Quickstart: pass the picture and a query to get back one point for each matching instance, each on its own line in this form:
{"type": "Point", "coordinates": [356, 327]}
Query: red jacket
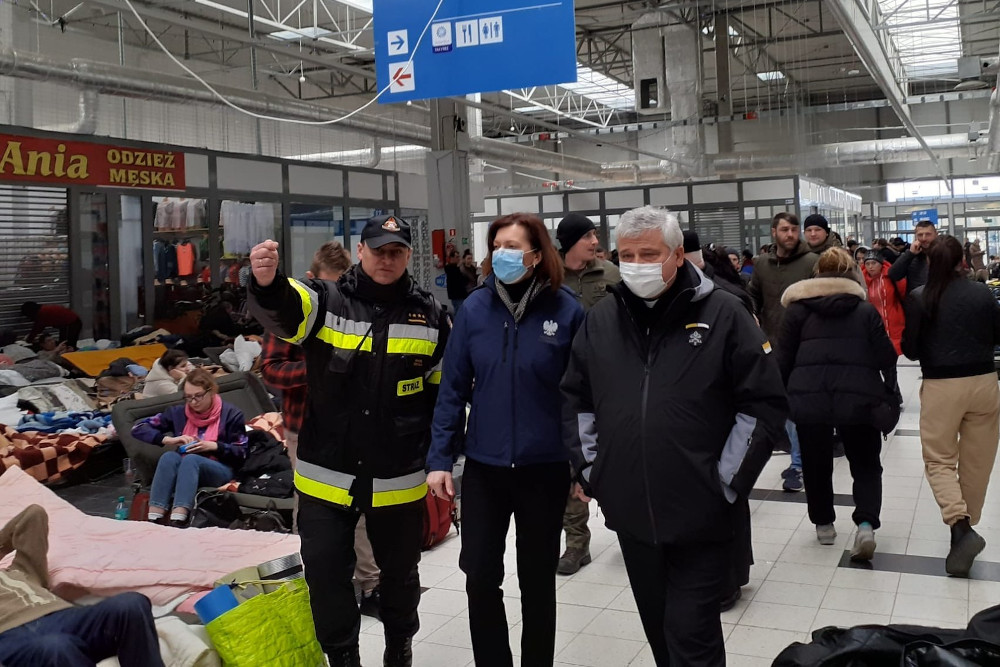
{"type": "Point", "coordinates": [887, 297]}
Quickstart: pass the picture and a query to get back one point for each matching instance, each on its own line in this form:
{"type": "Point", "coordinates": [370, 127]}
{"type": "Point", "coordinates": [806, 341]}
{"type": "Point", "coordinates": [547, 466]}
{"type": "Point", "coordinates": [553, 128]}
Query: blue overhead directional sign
{"type": "Point", "coordinates": [928, 214]}
{"type": "Point", "coordinates": [472, 46]}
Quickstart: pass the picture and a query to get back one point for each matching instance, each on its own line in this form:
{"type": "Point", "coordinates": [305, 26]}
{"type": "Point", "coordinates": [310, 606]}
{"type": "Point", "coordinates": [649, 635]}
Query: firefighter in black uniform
{"type": "Point", "coordinates": [373, 342]}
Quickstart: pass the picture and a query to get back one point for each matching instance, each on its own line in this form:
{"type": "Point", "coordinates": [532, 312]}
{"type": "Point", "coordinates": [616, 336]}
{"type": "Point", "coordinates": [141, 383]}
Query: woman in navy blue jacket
{"type": "Point", "coordinates": [208, 444]}
{"type": "Point", "coordinates": [506, 354]}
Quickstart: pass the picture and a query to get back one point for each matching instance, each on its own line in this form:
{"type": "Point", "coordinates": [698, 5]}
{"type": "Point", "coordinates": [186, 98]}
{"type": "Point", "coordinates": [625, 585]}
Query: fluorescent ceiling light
{"type": "Point", "coordinates": [309, 32]}
{"type": "Point", "coordinates": [527, 109]}
{"type": "Point", "coordinates": [770, 76]}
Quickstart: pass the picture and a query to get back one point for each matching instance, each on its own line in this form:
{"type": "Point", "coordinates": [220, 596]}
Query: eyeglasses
{"type": "Point", "coordinates": [194, 398]}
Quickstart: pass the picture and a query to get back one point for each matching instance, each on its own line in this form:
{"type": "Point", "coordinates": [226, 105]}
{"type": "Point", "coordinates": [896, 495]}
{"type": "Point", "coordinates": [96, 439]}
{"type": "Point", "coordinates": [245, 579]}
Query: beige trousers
{"type": "Point", "coordinates": [959, 429]}
{"type": "Point", "coordinates": [366, 572]}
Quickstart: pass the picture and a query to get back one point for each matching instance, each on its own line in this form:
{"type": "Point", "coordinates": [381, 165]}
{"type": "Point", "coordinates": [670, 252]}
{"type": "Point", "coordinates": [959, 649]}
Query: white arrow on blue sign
{"type": "Point", "coordinates": [399, 43]}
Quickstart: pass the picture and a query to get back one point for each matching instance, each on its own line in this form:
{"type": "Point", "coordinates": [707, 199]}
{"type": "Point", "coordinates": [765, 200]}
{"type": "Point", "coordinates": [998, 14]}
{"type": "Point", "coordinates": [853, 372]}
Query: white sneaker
{"type": "Point", "coordinates": [864, 543]}
{"type": "Point", "coordinates": [826, 533]}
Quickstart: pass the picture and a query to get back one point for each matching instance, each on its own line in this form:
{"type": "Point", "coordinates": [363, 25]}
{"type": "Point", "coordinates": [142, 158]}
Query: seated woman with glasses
{"type": "Point", "coordinates": [208, 444]}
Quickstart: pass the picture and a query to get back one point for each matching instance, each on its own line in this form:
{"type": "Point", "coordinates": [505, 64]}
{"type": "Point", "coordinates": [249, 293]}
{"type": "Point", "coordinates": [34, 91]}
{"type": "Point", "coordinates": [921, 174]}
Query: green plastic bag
{"type": "Point", "coordinates": [270, 630]}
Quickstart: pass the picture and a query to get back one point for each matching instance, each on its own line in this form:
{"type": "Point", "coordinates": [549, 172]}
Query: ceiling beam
{"type": "Point", "coordinates": [876, 50]}
{"type": "Point", "coordinates": [235, 34]}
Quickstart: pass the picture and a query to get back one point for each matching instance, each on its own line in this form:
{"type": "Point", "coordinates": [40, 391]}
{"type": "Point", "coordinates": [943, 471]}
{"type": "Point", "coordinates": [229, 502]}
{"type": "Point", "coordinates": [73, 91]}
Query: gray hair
{"type": "Point", "coordinates": [638, 221]}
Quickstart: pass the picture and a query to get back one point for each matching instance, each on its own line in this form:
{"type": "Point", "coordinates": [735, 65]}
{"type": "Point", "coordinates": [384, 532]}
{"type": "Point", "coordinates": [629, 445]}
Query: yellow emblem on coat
{"type": "Point", "coordinates": [408, 387]}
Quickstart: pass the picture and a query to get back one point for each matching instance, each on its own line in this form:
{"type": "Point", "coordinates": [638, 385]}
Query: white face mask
{"type": "Point", "coordinates": [644, 280]}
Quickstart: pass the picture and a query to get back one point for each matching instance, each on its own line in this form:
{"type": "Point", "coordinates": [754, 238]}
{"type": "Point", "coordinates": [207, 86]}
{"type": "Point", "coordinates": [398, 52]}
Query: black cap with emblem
{"type": "Point", "coordinates": [384, 229]}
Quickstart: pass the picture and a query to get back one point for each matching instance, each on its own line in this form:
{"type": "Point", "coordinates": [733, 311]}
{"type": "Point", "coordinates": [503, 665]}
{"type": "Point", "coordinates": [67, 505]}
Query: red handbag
{"type": "Point", "coordinates": [439, 515]}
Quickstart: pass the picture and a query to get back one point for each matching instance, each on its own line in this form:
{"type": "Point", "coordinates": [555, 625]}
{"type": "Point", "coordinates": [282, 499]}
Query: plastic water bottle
{"type": "Point", "coordinates": [121, 509]}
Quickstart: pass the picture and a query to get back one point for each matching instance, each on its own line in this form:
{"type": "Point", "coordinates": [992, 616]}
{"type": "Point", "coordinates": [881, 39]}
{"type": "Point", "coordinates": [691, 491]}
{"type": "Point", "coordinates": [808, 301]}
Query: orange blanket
{"type": "Point", "coordinates": [95, 361]}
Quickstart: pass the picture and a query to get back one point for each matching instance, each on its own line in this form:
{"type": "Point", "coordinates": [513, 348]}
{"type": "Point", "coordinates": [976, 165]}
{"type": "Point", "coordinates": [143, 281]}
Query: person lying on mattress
{"type": "Point", "coordinates": [208, 444]}
{"type": "Point", "coordinates": [39, 629]}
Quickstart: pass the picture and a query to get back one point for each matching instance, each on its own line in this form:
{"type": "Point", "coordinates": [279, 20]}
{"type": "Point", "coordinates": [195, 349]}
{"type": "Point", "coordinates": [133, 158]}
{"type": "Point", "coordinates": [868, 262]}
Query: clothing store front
{"type": "Point", "coordinates": [130, 234]}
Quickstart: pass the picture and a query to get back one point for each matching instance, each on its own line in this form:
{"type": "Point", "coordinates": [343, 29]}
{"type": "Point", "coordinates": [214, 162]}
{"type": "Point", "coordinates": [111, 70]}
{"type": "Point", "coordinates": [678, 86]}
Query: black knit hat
{"type": "Point", "coordinates": [874, 255]}
{"type": "Point", "coordinates": [691, 241]}
{"type": "Point", "coordinates": [816, 220]}
{"type": "Point", "coordinates": [571, 229]}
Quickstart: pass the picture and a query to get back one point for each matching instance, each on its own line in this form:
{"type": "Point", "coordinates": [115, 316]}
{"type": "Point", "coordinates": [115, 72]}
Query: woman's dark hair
{"type": "Point", "coordinates": [551, 266]}
{"type": "Point", "coordinates": [172, 359]}
{"type": "Point", "coordinates": [718, 258]}
{"type": "Point", "coordinates": [944, 258]}
{"type": "Point", "coordinates": [199, 377]}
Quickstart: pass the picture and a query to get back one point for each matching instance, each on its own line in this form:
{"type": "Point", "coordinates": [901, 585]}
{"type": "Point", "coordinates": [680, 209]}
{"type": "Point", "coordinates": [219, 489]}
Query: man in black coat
{"type": "Point", "coordinates": [912, 264]}
{"type": "Point", "coordinates": [677, 377]}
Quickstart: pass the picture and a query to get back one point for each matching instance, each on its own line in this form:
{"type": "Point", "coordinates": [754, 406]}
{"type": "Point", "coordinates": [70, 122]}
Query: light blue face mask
{"type": "Point", "coordinates": [508, 265]}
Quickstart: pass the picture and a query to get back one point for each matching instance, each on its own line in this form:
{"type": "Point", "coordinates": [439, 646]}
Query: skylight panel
{"type": "Point", "coordinates": [601, 88]}
{"type": "Point", "coordinates": [926, 35]}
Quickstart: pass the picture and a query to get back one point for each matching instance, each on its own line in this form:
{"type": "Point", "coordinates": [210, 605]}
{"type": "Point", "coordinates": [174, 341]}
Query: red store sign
{"type": "Point", "coordinates": [80, 163]}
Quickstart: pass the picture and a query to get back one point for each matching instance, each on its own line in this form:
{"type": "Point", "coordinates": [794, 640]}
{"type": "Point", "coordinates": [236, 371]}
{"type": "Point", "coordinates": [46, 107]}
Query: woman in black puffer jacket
{"type": "Point", "coordinates": [835, 358]}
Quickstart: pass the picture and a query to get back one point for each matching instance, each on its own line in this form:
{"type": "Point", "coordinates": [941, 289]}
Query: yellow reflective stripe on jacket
{"type": "Point", "coordinates": [399, 490]}
{"type": "Point", "coordinates": [412, 339]}
{"type": "Point", "coordinates": [434, 374]}
{"type": "Point", "coordinates": [310, 303]}
{"type": "Point", "coordinates": [319, 482]}
{"type": "Point", "coordinates": [346, 334]}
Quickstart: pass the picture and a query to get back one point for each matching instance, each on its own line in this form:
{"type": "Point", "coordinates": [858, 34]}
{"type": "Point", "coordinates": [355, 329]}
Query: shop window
{"type": "Point", "coordinates": [242, 225]}
{"type": "Point", "coordinates": [312, 225]}
{"type": "Point", "coordinates": [181, 260]}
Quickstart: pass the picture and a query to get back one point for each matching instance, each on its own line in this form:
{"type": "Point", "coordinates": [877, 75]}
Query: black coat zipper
{"type": "Point", "coordinates": [646, 347]}
{"type": "Point", "coordinates": [646, 350]}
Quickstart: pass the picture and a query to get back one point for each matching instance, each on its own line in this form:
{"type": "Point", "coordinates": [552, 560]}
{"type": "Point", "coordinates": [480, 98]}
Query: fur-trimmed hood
{"type": "Point", "coordinates": [823, 287]}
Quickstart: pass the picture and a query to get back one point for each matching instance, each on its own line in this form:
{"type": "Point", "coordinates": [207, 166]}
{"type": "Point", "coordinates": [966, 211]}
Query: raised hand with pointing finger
{"type": "Point", "coordinates": [264, 262]}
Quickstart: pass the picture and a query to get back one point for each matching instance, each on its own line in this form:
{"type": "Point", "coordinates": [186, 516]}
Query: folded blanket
{"type": "Point", "coordinates": [65, 396]}
{"type": "Point", "coordinates": [39, 369]}
{"type": "Point", "coordinates": [12, 378]}
{"type": "Point", "coordinates": [89, 554]}
{"type": "Point", "coordinates": [56, 422]}
{"type": "Point", "coordinates": [46, 457]}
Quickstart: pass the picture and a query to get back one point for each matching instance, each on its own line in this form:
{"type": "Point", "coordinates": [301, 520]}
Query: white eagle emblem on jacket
{"type": "Point", "coordinates": [550, 327]}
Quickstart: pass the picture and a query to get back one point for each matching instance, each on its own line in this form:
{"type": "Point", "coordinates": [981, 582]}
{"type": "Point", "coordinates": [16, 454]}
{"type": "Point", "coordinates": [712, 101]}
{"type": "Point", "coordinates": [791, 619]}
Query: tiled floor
{"type": "Point", "coordinates": [796, 584]}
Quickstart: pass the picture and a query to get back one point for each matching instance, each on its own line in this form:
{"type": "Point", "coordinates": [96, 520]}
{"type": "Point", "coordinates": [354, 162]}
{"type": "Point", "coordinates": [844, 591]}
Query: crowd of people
{"type": "Point", "coordinates": [657, 385]}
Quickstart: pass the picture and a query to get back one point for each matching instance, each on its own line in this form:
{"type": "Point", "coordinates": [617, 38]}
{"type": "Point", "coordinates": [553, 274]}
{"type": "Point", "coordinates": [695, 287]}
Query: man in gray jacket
{"type": "Point", "coordinates": [789, 262]}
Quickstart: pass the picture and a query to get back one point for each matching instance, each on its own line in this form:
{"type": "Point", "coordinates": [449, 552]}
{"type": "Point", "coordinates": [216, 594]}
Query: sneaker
{"type": "Point", "coordinates": [369, 603]}
{"type": "Point", "coordinates": [793, 479]}
{"type": "Point", "coordinates": [826, 533]}
{"type": "Point", "coordinates": [966, 544]}
{"type": "Point", "coordinates": [572, 560]}
{"type": "Point", "coordinates": [864, 543]}
{"type": "Point", "coordinates": [398, 653]}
